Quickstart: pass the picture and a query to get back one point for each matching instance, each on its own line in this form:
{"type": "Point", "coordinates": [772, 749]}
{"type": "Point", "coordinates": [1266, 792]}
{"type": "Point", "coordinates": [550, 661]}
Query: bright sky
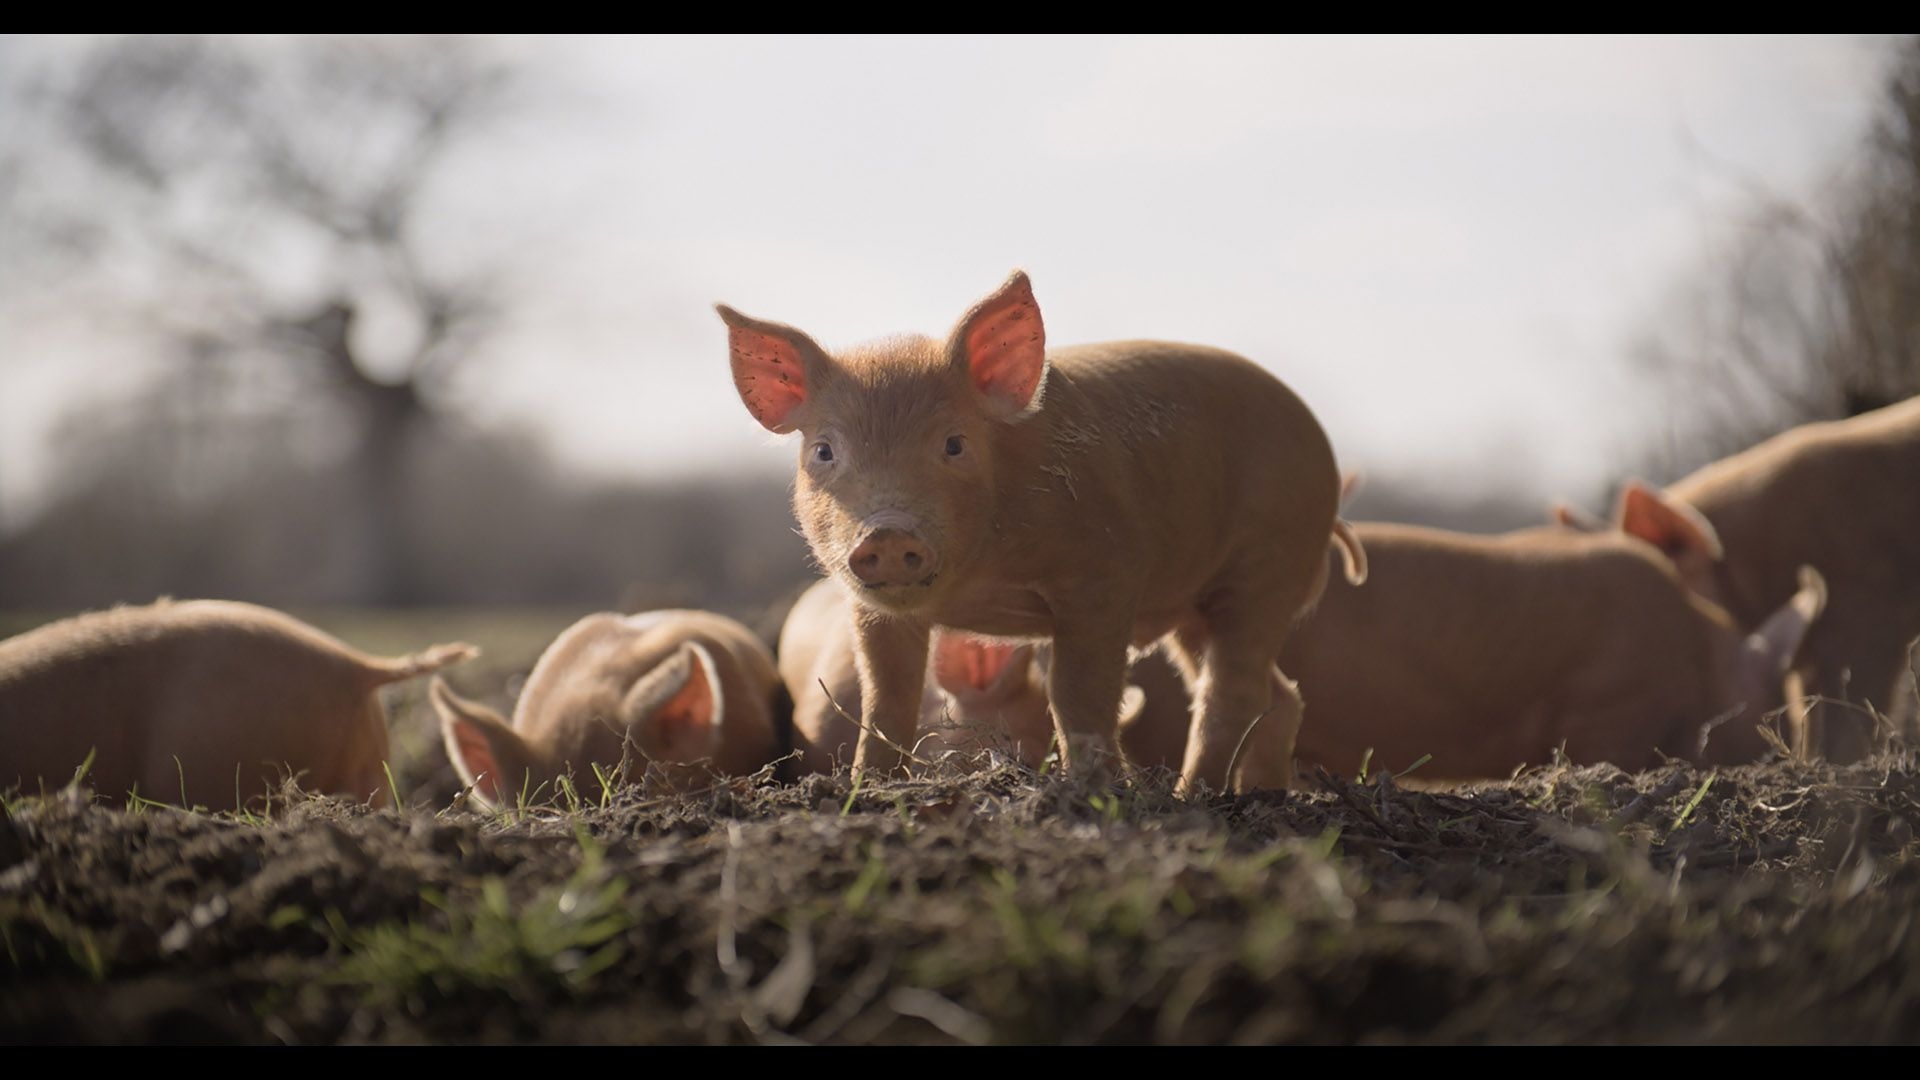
{"type": "Point", "coordinates": [1445, 245]}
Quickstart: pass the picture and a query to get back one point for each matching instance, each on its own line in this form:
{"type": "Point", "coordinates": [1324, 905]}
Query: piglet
{"type": "Point", "coordinates": [1491, 652]}
{"type": "Point", "coordinates": [1101, 497]}
{"type": "Point", "coordinates": [210, 702]}
{"type": "Point", "coordinates": [1840, 495]}
{"type": "Point", "coordinates": [690, 692]}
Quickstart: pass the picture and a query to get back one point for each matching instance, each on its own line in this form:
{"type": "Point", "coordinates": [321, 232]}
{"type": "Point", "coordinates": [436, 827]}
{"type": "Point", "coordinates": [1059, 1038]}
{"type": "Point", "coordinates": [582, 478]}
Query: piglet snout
{"type": "Point", "coordinates": [888, 557]}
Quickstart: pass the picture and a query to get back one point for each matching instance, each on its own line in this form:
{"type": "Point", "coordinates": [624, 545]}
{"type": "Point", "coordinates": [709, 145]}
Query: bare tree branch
{"type": "Point", "coordinates": [1815, 312]}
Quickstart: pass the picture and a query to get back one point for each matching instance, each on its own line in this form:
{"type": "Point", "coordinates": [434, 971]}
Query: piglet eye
{"type": "Point", "coordinates": [822, 453]}
{"type": "Point", "coordinates": [956, 446]}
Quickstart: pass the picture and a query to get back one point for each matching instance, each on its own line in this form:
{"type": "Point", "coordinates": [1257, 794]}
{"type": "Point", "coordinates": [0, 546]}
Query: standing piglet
{"type": "Point", "coordinates": [206, 701]}
{"type": "Point", "coordinates": [1101, 496]}
{"type": "Point", "coordinates": [691, 692]}
{"type": "Point", "coordinates": [1843, 496]}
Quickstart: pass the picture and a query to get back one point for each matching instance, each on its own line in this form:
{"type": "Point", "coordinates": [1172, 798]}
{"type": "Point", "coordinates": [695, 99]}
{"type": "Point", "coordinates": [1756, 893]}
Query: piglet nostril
{"type": "Point", "coordinates": [891, 557]}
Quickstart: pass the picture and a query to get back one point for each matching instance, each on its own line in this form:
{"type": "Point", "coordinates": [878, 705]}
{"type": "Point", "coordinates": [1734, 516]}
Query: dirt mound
{"type": "Point", "coordinates": [1766, 903]}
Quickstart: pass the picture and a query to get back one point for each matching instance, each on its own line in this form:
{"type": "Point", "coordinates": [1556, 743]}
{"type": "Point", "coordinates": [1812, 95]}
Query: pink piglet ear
{"type": "Point", "coordinates": [1778, 639]}
{"type": "Point", "coordinates": [1665, 522]}
{"type": "Point", "coordinates": [488, 754]}
{"type": "Point", "coordinates": [968, 666]}
{"type": "Point", "coordinates": [775, 368]}
{"type": "Point", "coordinates": [676, 711]}
{"type": "Point", "coordinates": [1763, 661]}
{"type": "Point", "coordinates": [1568, 516]}
{"type": "Point", "coordinates": [1002, 343]}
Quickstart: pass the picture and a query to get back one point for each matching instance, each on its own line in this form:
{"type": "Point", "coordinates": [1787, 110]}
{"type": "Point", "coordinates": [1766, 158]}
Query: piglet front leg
{"type": "Point", "coordinates": [891, 655]}
{"type": "Point", "coordinates": [1085, 682]}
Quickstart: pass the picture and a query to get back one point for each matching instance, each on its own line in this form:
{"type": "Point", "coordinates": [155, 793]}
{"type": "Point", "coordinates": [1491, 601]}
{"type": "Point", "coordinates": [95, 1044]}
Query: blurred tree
{"type": "Point", "coordinates": [160, 499]}
{"type": "Point", "coordinates": [1875, 357]}
{"type": "Point", "coordinates": [256, 207]}
{"type": "Point", "coordinates": [1814, 312]}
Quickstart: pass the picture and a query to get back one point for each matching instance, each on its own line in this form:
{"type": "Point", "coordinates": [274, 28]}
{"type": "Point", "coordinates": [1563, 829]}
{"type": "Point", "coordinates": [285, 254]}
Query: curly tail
{"type": "Point", "coordinates": [1356, 555]}
{"type": "Point", "coordinates": [425, 661]}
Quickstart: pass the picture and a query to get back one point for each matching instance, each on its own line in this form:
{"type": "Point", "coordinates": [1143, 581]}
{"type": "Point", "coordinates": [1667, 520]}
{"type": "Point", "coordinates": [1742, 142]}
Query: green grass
{"type": "Point", "coordinates": [872, 876]}
{"type": "Point", "coordinates": [1692, 804]}
{"type": "Point", "coordinates": [562, 938]}
{"type": "Point", "coordinates": [36, 934]}
{"type": "Point", "coordinates": [998, 909]}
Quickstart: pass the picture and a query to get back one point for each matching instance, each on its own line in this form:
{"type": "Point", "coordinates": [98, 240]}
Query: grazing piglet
{"type": "Point", "coordinates": [689, 691]}
{"type": "Point", "coordinates": [1487, 652]}
{"type": "Point", "coordinates": [1100, 496]}
{"type": "Point", "coordinates": [995, 697]}
{"type": "Point", "coordinates": [206, 701]}
{"type": "Point", "coordinates": [1843, 496]}
{"type": "Point", "coordinates": [981, 694]}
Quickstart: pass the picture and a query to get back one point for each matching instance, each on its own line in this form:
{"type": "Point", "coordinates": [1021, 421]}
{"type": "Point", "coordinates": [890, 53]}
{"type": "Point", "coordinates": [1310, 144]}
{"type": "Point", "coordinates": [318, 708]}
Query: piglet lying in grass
{"type": "Point", "coordinates": [689, 692]}
{"type": "Point", "coordinates": [208, 702]}
{"type": "Point", "coordinates": [1100, 497]}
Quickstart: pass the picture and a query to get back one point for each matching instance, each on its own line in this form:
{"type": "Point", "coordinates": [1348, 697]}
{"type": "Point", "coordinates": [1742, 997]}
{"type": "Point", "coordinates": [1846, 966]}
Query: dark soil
{"type": "Point", "coordinates": [1767, 903]}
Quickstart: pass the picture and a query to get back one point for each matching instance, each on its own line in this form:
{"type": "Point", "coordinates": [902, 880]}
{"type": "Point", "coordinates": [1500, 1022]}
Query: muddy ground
{"type": "Point", "coordinates": [1770, 903]}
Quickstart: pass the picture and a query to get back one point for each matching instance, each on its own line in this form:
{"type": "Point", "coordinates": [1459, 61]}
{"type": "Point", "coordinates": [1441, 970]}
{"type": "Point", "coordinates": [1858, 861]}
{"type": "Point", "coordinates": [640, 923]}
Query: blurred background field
{"type": "Point", "coordinates": [412, 335]}
{"type": "Point", "coordinates": [408, 322]}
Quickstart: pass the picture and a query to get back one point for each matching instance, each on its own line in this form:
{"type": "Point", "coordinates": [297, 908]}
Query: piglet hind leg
{"type": "Point", "coordinates": [1246, 715]}
{"type": "Point", "coordinates": [1264, 756]}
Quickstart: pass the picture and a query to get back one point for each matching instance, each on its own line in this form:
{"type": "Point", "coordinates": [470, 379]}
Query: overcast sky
{"type": "Point", "coordinates": [1447, 246]}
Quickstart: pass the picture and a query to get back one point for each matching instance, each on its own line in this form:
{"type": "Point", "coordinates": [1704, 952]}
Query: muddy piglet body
{"type": "Point", "coordinates": [1102, 497]}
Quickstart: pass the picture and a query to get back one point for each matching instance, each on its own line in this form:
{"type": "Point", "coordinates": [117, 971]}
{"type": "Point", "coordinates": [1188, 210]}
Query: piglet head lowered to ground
{"type": "Point", "coordinates": [682, 694]}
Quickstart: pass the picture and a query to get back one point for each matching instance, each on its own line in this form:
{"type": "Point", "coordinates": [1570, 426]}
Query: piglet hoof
{"type": "Point", "coordinates": [1192, 787]}
{"type": "Point", "coordinates": [1258, 775]}
{"type": "Point", "coordinates": [1093, 758]}
{"type": "Point", "coordinates": [1246, 779]}
{"type": "Point", "coordinates": [875, 760]}
{"type": "Point", "coordinates": [1244, 784]}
